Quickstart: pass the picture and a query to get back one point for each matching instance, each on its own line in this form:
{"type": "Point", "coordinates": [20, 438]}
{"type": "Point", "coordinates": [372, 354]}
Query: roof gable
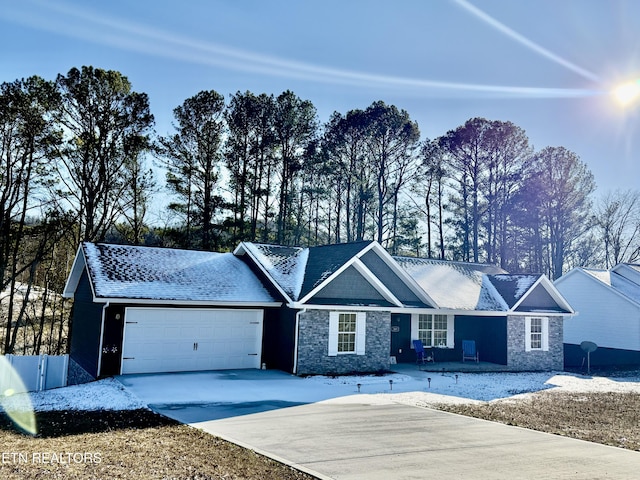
{"type": "Point", "coordinates": [349, 287]}
{"type": "Point", "coordinates": [512, 287]}
{"type": "Point", "coordinates": [530, 293]}
{"type": "Point", "coordinates": [538, 299]}
{"type": "Point", "coordinates": [326, 260]}
{"type": "Point", "coordinates": [301, 273]}
{"type": "Point", "coordinates": [121, 272]}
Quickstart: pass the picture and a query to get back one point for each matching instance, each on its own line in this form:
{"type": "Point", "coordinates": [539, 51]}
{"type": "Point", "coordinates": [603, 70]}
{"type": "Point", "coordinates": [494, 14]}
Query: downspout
{"type": "Point", "coordinates": [295, 345]}
{"type": "Point", "coordinates": [104, 315]}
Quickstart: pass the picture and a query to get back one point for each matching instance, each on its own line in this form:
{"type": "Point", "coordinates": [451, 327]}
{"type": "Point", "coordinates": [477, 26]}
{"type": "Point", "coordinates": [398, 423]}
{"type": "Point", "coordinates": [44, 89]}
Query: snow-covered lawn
{"type": "Point", "coordinates": [412, 388]}
{"type": "Point", "coordinates": [107, 394]}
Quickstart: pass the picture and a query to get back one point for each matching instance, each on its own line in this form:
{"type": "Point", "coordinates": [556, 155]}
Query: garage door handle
{"type": "Point", "coordinates": [128, 358]}
{"type": "Point", "coordinates": [252, 354]}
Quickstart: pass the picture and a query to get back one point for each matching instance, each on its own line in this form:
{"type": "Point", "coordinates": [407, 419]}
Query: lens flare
{"type": "Point", "coordinates": [14, 399]}
{"type": "Point", "coordinates": [627, 93]}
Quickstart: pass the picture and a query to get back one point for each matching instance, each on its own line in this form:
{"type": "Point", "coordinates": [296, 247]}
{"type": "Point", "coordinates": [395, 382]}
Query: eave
{"type": "Point", "coordinates": [190, 303]}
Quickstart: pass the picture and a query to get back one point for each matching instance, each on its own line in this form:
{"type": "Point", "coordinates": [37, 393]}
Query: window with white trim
{"type": "Point", "coordinates": [536, 334]}
{"type": "Point", "coordinates": [434, 330]}
{"type": "Point", "coordinates": [347, 333]}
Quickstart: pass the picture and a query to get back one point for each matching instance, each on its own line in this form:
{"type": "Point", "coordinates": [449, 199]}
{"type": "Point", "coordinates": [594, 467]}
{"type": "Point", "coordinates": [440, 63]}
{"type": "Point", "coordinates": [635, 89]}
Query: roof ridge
{"type": "Point", "coordinates": [455, 262]}
{"type": "Point", "coordinates": [367, 242]}
{"type": "Point", "coordinates": [152, 247]}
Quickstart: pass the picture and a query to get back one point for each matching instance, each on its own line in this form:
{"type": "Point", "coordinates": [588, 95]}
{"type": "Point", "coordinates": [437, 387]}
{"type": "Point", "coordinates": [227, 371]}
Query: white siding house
{"type": "Point", "coordinates": [607, 305]}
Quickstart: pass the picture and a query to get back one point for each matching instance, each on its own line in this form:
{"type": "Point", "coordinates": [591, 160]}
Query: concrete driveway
{"type": "Point", "coordinates": [372, 437]}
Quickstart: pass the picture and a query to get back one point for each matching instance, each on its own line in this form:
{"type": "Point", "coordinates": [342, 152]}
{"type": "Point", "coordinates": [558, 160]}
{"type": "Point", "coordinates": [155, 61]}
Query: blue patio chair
{"type": "Point", "coordinates": [422, 356]}
{"type": "Point", "coordinates": [469, 351]}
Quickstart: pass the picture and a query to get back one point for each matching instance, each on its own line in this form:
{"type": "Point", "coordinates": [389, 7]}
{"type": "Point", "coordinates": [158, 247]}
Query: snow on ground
{"type": "Point", "coordinates": [409, 386]}
{"type": "Point", "coordinates": [107, 394]}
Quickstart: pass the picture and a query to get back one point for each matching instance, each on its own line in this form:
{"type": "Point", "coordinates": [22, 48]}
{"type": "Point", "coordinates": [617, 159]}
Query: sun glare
{"type": "Point", "coordinates": [627, 93]}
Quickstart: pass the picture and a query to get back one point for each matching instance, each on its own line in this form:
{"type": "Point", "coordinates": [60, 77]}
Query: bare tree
{"type": "Point", "coordinates": [618, 221]}
{"type": "Point", "coordinates": [27, 137]}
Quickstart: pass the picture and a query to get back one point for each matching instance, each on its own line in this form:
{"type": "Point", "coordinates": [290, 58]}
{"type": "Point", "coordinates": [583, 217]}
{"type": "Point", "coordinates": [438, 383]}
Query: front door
{"type": "Point", "coordinates": [112, 341]}
{"type": "Point", "coordinates": [401, 338]}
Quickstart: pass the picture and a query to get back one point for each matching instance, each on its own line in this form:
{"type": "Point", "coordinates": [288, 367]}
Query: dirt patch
{"type": "Point", "coordinates": [127, 445]}
{"type": "Point", "coordinates": [607, 418]}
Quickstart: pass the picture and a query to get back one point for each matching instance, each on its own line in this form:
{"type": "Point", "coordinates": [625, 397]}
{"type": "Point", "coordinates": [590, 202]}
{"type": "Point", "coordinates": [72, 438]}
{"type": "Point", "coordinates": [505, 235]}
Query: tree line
{"type": "Point", "coordinates": [77, 154]}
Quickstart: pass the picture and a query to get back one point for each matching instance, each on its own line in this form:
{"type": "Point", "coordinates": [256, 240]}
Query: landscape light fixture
{"type": "Point", "coordinates": [429, 380]}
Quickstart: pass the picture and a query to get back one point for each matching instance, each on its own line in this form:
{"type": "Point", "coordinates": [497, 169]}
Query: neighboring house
{"type": "Point", "coordinates": [321, 310]}
{"type": "Point", "coordinates": [607, 303]}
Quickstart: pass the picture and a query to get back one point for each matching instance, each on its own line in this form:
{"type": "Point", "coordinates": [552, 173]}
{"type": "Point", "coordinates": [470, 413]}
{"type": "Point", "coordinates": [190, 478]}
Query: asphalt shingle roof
{"type": "Point", "coordinates": [299, 270]}
{"type": "Point", "coordinates": [456, 285]}
{"type": "Point", "coordinates": [511, 287]}
{"type": "Point", "coordinates": [122, 271]}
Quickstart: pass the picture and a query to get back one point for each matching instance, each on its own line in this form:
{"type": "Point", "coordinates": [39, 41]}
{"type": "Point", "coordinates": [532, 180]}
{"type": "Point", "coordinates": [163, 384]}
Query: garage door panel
{"type": "Point", "coordinates": [165, 340]}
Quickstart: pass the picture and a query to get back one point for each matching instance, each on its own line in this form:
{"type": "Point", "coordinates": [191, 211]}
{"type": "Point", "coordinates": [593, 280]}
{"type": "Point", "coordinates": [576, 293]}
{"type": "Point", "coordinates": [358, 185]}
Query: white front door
{"type": "Point", "coordinates": [183, 339]}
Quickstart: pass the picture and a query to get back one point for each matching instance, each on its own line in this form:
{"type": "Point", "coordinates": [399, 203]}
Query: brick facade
{"type": "Point", "coordinates": [517, 356]}
{"type": "Point", "coordinates": [313, 345]}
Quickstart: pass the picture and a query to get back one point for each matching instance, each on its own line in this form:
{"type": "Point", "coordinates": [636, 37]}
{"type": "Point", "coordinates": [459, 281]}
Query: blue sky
{"type": "Point", "coordinates": [546, 65]}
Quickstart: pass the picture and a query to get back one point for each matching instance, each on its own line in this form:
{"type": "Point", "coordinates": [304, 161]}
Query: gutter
{"type": "Point", "coordinates": [295, 344]}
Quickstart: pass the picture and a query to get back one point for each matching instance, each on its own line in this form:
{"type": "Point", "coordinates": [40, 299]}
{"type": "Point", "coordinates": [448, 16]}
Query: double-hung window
{"type": "Point", "coordinates": [347, 333]}
{"type": "Point", "coordinates": [433, 330]}
{"type": "Point", "coordinates": [536, 334]}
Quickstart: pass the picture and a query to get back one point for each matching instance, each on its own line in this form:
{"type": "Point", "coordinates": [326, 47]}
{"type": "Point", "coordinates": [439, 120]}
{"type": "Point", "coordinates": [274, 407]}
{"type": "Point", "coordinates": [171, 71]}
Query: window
{"type": "Point", "coordinates": [347, 333]}
{"type": "Point", "coordinates": [434, 330]}
{"type": "Point", "coordinates": [536, 334]}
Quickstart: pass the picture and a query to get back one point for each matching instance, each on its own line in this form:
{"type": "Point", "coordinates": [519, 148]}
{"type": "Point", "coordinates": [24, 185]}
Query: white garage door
{"type": "Point", "coordinates": [181, 339]}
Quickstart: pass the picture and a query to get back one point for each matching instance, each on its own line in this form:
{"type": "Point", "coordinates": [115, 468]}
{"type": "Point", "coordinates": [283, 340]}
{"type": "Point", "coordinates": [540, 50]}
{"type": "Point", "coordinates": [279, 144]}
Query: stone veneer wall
{"type": "Point", "coordinates": [77, 375]}
{"type": "Point", "coordinates": [313, 345]}
{"type": "Point", "coordinates": [519, 359]}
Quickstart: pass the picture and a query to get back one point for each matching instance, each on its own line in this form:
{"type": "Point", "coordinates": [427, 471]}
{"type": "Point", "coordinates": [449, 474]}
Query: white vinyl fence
{"type": "Point", "coordinates": [37, 372]}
